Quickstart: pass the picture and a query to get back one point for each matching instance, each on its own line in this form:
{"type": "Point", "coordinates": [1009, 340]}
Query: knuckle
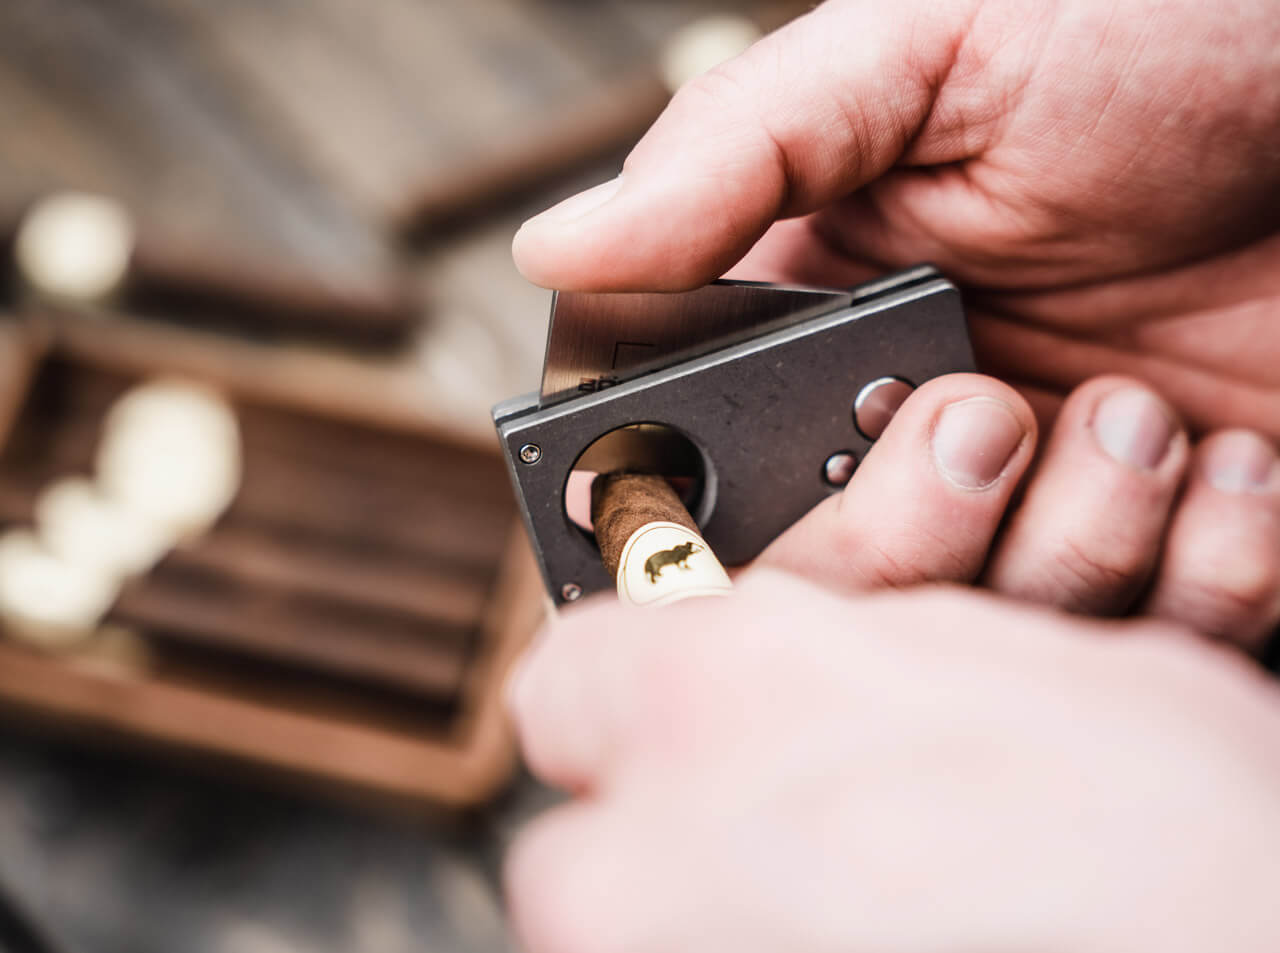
{"type": "Point", "coordinates": [1251, 583]}
{"type": "Point", "coordinates": [914, 556]}
{"type": "Point", "coordinates": [877, 566]}
{"type": "Point", "coordinates": [683, 696]}
{"type": "Point", "coordinates": [1234, 590]}
{"type": "Point", "coordinates": [1094, 576]}
{"type": "Point", "coordinates": [656, 691]}
{"type": "Point", "coordinates": [718, 88]}
{"type": "Point", "coordinates": [668, 687]}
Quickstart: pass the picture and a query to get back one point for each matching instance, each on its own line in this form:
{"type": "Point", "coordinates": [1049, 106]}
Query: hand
{"type": "Point", "coordinates": [788, 769]}
{"type": "Point", "coordinates": [1120, 513]}
{"type": "Point", "coordinates": [1104, 178]}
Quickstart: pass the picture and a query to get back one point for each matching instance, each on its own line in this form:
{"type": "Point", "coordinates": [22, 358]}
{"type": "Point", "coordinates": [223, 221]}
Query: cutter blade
{"type": "Point", "coordinates": [598, 340]}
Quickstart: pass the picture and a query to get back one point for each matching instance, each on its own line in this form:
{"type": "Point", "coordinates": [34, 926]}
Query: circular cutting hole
{"type": "Point", "coordinates": [639, 448]}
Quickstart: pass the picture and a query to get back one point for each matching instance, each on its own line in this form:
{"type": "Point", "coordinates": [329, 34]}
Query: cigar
{"type": "Point", "coordinates": [650, 544]}
{"type": "Point", "coordinates": [81, 250]}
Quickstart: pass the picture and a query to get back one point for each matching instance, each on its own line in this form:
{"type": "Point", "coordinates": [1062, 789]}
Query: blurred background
{"type": "Point", "coordinates": [260, 570]}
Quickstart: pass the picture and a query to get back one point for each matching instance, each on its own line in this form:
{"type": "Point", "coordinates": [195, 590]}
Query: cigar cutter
{"type": "Point", "coordinates": [756, 400]}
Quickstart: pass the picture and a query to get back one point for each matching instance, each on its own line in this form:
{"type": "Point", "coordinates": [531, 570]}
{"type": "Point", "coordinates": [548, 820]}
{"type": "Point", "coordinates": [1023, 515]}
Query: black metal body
{"type": "Point", "coordinates": [764, 413]}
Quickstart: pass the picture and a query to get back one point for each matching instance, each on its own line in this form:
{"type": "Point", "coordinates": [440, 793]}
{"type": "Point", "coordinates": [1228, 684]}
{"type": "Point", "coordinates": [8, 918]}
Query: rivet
{"type": "Point", "coordinates": [838, 470]}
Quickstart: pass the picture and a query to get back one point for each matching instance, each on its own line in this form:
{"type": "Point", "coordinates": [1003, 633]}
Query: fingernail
{"type": "Point", "coordinates": [578, 206]}
{"type": "Point", "coordinates": [1240, 462]}
{"type": "Point", "coordinates": [1135, 427]}
{"type": "Point", "coordinates": [974, 441]}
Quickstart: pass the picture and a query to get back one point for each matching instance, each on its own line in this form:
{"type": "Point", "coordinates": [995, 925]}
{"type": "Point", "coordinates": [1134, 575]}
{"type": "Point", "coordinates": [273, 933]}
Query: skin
{"type": "Point", "coordinates": [1064, 524]}
{"type": "Point", "coordinates": [1105, 183]}
{"type": "Point", "coordinates": [1104, 179]}
{"type": "Point", "coordinates": [936, 772]}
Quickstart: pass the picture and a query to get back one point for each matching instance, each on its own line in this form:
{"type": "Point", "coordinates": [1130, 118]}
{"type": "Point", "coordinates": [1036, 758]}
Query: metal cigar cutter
{"type": "Point", "coordinates": [756, 400]}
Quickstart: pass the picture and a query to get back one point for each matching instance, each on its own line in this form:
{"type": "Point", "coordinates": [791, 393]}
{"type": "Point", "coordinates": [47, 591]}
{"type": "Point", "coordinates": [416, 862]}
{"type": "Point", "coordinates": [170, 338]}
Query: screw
{"type": "Point", "coordinates": [877, 403]}
{"type": "Point", "coordinates": [531, 453]}
{"type": "Point", "coordinates": [838, 470]}
{"type": "Point", "coordinates": [571, 592]}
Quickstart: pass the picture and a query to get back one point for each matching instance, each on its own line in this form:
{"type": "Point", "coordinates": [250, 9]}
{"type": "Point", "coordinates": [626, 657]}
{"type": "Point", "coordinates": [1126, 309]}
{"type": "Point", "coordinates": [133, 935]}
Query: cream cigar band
{"type": "Point", "coordinates": [666, 562]}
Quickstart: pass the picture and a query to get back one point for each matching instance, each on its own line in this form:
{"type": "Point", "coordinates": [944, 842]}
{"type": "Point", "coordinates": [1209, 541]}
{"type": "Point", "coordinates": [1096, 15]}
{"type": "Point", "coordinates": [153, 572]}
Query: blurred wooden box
{"type": "Point", "coordinates": [348, 621]}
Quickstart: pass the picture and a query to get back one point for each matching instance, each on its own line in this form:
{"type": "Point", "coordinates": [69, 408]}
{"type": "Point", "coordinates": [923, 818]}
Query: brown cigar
{"type": "Point", "coordinates": [649, 543]}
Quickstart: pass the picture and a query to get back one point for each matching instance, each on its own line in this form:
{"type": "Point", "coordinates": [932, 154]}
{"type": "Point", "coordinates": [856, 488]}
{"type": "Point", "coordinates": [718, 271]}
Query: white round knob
{"type": "Point", "coordinates": [80, 525]}
{"type": "Point", "coordinates": [47, 600]}
{"type": "Point", "coordinates": [170, 453]}
{"type": "Point", "coordinates": [704, 44]}
{"type": "Point", "coordinates": [75, 246]}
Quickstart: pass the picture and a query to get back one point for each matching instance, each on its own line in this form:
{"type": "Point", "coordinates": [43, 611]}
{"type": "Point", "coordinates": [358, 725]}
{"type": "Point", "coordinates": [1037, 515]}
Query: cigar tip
{"type": "Point", "coordinates": [623, 502]}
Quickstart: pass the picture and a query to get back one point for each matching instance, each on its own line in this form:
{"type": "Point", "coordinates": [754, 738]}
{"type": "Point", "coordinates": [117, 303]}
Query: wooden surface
{"type": "Point", "coordinates": [107, 97]}
{"type": "Point", "coordinates": [274, 151]}
{"type": "Point", "coordinates": [119, 853]}
{"type": "Point", "coordinates": [342, 621]}
{"type": "Point", "coordinates": [301, 165]}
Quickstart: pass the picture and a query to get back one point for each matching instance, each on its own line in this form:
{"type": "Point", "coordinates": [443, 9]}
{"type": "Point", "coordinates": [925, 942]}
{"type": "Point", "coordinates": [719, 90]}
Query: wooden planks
{"type": "Point", "coordinates": [101, 103]}
{"type": "Point", "coordinates": [273, 151]}
{"type": "Point", "coordinates": [358, 553]}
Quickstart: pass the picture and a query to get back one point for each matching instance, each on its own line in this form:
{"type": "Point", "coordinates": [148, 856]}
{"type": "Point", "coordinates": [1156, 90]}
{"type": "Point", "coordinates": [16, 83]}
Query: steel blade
{"type": "Point", "coordinates": [597, 340]}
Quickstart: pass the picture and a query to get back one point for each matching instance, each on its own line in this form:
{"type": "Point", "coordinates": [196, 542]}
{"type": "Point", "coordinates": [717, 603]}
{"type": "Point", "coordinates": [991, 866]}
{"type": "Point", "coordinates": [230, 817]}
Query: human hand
{"type": "Point", "coordinates": [1104, 179]}
{"type": "Point", "coordinates": [788, 769]}
{"type": "Point", "coordinates": [1120, 512]}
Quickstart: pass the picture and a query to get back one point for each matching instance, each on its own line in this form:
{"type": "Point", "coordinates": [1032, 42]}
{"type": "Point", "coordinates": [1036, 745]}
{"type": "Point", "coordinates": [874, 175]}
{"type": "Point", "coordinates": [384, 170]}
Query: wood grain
{"type": "Point", "coordinates": [273, 152]}
{"type": "Point", "coordinates": [363, 552]}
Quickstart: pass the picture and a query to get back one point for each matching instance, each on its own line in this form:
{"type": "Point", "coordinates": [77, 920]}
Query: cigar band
{"type": "Point", "coordinates": [666, 562]}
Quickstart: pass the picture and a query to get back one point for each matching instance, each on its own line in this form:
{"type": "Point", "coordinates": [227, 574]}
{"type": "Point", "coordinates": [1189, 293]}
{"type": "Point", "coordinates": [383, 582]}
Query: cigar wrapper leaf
{"type": "Point", "coordinates": [650, 544]}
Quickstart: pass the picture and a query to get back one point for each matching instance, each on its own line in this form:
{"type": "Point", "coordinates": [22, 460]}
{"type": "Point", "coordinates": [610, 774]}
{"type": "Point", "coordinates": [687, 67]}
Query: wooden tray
{"type": "Point", "coordinates": [350, 618]}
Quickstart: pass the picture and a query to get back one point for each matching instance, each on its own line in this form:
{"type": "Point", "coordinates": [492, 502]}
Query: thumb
{"type": "Point", "coordinates": [810, 113]}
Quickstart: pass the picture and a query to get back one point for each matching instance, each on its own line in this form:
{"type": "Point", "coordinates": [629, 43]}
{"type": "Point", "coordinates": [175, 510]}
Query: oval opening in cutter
{"type": "Point", "coordinates": [637, 448]}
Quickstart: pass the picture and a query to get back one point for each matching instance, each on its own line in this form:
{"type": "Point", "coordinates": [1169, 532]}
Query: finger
{"type": "Point", "coordinates": [559, 899]}
{"type": "Point", "coordinates": [1220, 571]}
{"type": "Point", "coordinates": [791, 252]}
{"type": "Point", "coordinates": [603, 680]}
{"type": "Point", "coordinates": [562, 722]}
{"type": "Point", "coordinates": [1088, 532]}
{"type": "Point", "coordinates": [926, 502]}
{"type": "Point", "coordinates": [608, 688]}
{"type": "Point", "coordinates": [587, 878]}
{"type": "Point", "coordinates": [808, 114]}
